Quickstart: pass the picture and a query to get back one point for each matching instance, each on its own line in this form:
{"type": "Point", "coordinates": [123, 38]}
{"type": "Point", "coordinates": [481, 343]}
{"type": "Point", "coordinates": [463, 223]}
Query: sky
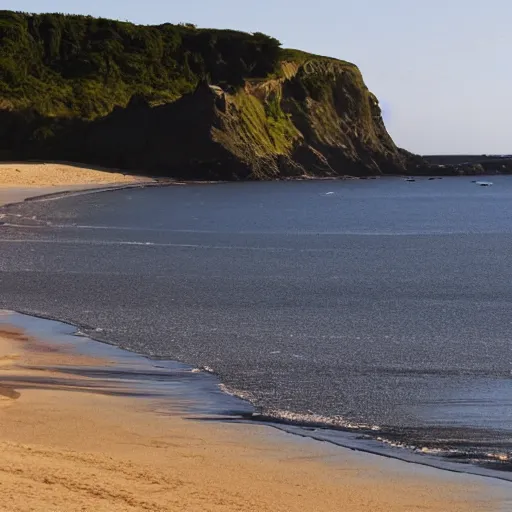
{"type": "Point", "coordinates": [440, 68]}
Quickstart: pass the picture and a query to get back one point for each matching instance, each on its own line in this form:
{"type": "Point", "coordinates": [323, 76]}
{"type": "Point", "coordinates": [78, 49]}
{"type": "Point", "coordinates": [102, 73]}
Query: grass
{"type": "Point", "coordinates": [266, 126]}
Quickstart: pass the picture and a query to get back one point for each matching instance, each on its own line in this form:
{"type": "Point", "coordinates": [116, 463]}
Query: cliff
{"type": "Point", "coordinates": [178, 101]}
{"type": "Point", "coordinates": [319, 120]}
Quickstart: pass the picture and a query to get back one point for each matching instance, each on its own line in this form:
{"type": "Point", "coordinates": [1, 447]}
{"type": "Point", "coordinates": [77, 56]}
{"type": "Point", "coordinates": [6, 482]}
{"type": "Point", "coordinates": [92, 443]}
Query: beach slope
{"type": "Point", "coordinates": [22, 180]}
{"type": "Point", "coordinates": [72, 442]}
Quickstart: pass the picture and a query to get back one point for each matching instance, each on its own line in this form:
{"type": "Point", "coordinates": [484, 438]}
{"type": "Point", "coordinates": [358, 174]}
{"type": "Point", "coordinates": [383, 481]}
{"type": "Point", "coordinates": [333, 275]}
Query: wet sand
{"type": "Point", "coordinates": [70, 442]}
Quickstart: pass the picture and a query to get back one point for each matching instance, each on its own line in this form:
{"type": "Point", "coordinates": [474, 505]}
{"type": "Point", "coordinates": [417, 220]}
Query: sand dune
{"type": "Point", "coordinates": [68, 443]}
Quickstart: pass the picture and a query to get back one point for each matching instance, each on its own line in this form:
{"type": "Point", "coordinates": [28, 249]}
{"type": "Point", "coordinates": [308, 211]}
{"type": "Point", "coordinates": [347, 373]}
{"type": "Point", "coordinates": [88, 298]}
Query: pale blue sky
{"type": "Point", "coordinates": [441, 68]}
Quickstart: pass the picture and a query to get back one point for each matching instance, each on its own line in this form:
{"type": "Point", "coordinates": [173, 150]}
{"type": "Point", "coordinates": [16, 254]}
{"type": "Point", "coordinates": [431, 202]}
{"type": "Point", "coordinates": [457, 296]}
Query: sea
{"type": "Point", "coordinates": [375, 314]}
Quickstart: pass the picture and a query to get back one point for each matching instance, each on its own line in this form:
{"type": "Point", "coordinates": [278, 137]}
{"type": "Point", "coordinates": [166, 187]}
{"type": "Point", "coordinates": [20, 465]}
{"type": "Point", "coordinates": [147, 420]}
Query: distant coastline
{"type": "Point", "coordinates": [489, 163]}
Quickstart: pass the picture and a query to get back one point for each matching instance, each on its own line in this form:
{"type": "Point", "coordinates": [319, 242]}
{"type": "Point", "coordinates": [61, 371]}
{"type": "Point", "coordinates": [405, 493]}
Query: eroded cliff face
{"type": "Point", "coordinates": [127, 96]}
{"type": "Point", "coordinates": [341, 120]}
{"type": "Point", "coordinates": [338, 120]}
{"type": "Point", "coordinates": [314, 119]}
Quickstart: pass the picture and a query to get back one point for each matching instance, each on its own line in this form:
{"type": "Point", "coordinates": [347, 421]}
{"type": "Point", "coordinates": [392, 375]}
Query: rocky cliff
{"type": "Point", "coordinates": [317, 119]}
{"type": "Point", "coordinates": [182, 102]}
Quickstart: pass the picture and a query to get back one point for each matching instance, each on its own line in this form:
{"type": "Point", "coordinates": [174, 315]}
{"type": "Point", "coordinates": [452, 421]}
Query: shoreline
{"type": "Point", "coordinates": [14, 174]}
{"type": "Point", "coordinates": [229, 467]}
{"type": "Point", "coordinates": [17, 191]}
{"type": "Point", "coordinates": [30, 181]}
{"type": "Point", "coordinates": [226, 405]}
{"type": "Point", "coordinates": [254, 424]}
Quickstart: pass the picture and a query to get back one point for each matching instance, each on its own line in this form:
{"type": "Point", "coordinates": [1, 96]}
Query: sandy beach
{"type": "Point", "coordinates": [72, 443]}
{"type": "Point", "coordinates": [79, 443]}
{"type": "Point", "coordinates": [32, 174]}
{"type": "Point", "coordinates": [22, 180]}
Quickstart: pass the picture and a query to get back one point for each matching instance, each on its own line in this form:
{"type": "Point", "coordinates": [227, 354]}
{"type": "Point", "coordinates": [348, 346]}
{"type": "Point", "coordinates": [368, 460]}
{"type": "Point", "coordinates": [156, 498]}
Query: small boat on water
{"type": "Point", "coordinates": [410, 179]}
{"type": "Point", "coordinates": [484, 183]}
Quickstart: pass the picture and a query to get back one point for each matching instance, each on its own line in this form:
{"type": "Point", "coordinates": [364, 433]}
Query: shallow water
{"type": "Point", "coordinates": [378, 304]}
{"type": "Point", "coordinates": [172, 385]}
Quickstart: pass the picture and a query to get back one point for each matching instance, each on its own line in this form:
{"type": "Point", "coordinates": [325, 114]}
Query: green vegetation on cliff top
{"type": "Point", "coordinates": [286, 112]}
{"type": "Point", "coordinates": [79, 66]}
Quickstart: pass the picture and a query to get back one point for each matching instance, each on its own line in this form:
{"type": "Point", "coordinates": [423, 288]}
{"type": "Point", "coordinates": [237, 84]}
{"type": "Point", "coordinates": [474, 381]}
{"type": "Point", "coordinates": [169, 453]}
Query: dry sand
{"type": "Point", "coordinates": [27, 174]}
{"type": "Point", "coordinates": [68, 444]}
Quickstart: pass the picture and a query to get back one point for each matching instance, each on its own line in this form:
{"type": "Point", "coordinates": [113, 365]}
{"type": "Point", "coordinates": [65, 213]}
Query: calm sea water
{"type": "Point", "coordinates": [380, 306]}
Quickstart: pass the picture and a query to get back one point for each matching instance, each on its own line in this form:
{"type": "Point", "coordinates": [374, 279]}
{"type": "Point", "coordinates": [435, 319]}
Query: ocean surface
{"type": "Point", "coordinates": [378, 307]}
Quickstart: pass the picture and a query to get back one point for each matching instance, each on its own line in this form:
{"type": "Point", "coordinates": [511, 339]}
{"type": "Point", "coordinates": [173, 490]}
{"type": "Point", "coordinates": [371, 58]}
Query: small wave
{"type": "Point", "coordinates": [317, 420]}
{"type": "Point", "coordinates": [498, 460]}
{"type": "Point", "coordinates": [309, 418]}
{"type": "Point", "coordinates": [200, 369]}
{"type": "Point", "coordinates": [244, 395]}
{"type": "Point", "coordinates": [203, 369]}
{"type": "Point", "coordinates": [320, 425]}
{"type": "Point", "coordinates": [301, 419]}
